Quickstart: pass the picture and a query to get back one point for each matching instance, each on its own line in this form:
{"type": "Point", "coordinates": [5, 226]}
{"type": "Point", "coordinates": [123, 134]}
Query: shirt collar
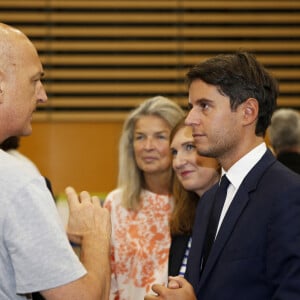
{"type": "Point", "coordinates": [242, 167]}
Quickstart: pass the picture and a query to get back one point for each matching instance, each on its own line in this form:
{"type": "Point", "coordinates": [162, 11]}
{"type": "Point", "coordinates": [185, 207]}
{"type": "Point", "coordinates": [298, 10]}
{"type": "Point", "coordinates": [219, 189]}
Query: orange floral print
{"type": "Point", "coordinates": [140, 245]}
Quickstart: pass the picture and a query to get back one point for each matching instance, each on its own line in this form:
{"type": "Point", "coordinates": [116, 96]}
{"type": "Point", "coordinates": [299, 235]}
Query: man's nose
{"type": "Point", "coordinates": [41, 94]}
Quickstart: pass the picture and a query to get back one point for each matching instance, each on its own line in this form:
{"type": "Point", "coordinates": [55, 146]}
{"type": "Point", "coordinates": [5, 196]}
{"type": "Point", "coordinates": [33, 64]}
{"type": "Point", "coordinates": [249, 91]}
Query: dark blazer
{"type": "Point", "coordinates": [177, 251]}
{"type": "Point", "coordinates": [256, 255]}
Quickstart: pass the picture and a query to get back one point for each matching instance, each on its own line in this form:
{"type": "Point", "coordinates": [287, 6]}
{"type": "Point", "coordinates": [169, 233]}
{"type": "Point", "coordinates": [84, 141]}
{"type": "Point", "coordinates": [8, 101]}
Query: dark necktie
{"type": "Point", "coordinates": [214, 218]}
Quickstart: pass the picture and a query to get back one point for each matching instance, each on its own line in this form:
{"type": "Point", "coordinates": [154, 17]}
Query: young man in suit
{"type": "Point", "coordinates": [256, 250]}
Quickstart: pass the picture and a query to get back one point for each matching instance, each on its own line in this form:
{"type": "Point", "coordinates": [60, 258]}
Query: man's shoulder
{"type": "Point", "coordinates": [279, 179]}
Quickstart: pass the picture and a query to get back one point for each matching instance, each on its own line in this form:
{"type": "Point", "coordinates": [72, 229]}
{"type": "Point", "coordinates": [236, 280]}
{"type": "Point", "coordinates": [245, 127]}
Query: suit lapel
{"type": "Point", "coordinates": [199, 230]}
{"type": "Point", "coordinates": [236, 208]}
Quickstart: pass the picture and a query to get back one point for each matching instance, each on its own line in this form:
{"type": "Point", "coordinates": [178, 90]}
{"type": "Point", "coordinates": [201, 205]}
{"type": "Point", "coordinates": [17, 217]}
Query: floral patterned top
{"type": "Point", "coordinates": [140, 244]}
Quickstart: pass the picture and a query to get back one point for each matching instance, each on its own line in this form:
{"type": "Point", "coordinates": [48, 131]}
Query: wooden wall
{"type": "Point", "coordinates": [104, 57]}
{"type": "Point", "coordinates": [81, 154]}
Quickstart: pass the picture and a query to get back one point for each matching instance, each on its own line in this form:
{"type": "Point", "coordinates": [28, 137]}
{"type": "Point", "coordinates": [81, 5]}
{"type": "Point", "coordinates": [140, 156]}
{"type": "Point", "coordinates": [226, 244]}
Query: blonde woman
{"type": "Point", "coordinates": [141, 205]}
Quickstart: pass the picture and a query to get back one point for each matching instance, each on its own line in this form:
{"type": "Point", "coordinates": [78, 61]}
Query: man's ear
{"type": "Point", "coordinates": [250, 111]}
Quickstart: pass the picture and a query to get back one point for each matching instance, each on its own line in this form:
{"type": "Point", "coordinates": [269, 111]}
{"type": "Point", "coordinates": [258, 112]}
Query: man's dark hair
{"type": "Point", "coordinates": [12, 142]}
{"type": "Point", "coordinates": [240, 76]}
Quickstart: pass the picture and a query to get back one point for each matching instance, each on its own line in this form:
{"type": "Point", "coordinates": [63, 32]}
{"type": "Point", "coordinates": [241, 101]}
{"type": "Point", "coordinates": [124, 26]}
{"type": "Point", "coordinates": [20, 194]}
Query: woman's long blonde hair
{"type": "Point", "coordinates": [130, 178]}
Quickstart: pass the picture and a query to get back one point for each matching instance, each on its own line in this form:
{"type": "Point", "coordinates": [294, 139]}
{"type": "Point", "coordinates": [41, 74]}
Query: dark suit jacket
{"type": "Point", "coordinates": [177, 250]}
{"type": "Point", "coordinates": [256, 255]}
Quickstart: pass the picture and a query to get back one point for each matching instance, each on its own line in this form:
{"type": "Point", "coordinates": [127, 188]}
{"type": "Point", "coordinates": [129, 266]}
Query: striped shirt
{"type": "Point", "coordinates": [182, 269]}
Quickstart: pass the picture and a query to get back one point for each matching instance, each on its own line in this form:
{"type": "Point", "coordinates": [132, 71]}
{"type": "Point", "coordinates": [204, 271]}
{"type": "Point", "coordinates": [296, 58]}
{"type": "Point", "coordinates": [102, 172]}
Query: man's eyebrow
{"type": "Point", "coordinates": [203, 100]}
{"type": "Point", "coordinates": [39, 74]}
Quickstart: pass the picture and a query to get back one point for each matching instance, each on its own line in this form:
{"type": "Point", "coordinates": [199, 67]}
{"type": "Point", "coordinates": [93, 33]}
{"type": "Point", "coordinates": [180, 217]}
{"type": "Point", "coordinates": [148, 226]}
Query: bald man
{"type": "Point", "coordinates": [35, 253]}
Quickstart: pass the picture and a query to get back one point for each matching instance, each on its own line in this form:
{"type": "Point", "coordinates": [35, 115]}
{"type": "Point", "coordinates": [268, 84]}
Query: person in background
{"type": "Point", "coordinates": [194, 174]}
{"type": "Point", "coordinates": [255, 249]}
{"type": "Point", "coordinates": [11, 146]}
{"type": "Point", "coordinates": [35, 253]}
{"type": "Point", "coordinates": [284, 134]}
{"type": "Point", "coordinates": [141, 205]}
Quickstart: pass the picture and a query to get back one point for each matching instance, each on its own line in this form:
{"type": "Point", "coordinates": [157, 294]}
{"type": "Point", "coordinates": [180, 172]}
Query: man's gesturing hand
{"type": "Point", "coordinates": [86, 217]}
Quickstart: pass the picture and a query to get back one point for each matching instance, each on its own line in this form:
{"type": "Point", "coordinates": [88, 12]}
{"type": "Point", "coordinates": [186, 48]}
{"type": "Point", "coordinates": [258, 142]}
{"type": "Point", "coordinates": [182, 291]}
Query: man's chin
{"type": "Point", "coordinates": [205, 152]}
{"type": "Point", "coordinates": [27, 131]}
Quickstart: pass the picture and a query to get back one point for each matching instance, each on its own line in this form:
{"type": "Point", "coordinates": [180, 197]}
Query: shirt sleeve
{"type": "Point", "coordinates": [41, 254]}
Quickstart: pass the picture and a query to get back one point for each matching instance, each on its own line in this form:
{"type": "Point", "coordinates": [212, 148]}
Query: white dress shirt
{"type": "Point", "coordinates": [237, 173]}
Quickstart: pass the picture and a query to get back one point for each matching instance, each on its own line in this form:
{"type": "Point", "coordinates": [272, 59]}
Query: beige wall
{"type": "Point", "coordinates": [81, 154]}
